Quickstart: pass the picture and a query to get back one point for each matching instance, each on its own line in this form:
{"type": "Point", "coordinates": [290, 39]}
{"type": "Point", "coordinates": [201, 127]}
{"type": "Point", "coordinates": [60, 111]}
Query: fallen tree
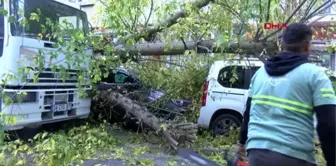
{"type": "Point", "coordinates": [175, 131]}
{"type": "Point", "coordinates": [253, 47]}
{"type": "Point", "coordinates": [205, 46]}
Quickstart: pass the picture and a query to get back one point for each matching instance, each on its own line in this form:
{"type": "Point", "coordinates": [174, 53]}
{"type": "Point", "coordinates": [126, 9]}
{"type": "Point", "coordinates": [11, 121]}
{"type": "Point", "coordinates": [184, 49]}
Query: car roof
{"type": "Point", "coordinates": [240, 62]}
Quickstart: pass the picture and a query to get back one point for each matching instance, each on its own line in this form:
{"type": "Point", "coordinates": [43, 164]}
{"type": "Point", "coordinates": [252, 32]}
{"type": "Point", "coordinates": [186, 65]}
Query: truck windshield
{"type": "Point", "coordinates": [48, 9]}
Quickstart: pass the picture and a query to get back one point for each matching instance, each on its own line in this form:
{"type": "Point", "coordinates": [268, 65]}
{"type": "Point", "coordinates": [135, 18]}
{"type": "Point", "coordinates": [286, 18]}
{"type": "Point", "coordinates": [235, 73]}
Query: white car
{"type": "Point", "coordinates": [224, 98]}
{"type": "Point", "coordinates": [225, 94]}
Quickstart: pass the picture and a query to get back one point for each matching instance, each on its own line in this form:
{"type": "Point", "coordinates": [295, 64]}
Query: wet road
{"type": "Point", "coordinates": [27, 133]}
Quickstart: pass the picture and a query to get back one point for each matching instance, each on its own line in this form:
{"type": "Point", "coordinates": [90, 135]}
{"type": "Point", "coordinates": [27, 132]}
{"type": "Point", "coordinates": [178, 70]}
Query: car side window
{"type": "Point", "coordinates": [250, 71]}
{"type": "Point", "coordinates": [120, 77]}
{"type": "Point", "coordinates": [232, 77]}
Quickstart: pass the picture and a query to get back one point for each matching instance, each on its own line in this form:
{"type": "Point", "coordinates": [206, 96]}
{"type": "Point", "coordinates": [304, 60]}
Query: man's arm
{"type": "Point", "coordinates": [244, 127]}
{"type": "Point", "coordinates": [325, 115]}
{"type": "Point", "coordinates": [241, 151]}
{"type": "Point", "coordinates": [246, 116]}
{"type": "Point", "coordinates": [325, 107]}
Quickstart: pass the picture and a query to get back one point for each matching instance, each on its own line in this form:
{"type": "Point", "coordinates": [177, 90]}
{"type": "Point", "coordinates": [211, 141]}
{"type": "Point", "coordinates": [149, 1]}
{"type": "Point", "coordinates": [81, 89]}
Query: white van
{"type": "Point", "coordinates": [224, 99]}
{"type": "Point", "coordinates": [225, 93]}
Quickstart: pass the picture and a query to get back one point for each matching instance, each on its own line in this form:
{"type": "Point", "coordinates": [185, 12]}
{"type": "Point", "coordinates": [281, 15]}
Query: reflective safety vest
{"type": "Point", "coordinates": [281, 114]}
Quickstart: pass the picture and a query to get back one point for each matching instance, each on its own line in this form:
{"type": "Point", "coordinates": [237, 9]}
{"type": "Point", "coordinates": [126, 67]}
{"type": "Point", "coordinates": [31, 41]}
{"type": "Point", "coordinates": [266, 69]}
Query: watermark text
{"type": "Point", "coordinates": [271, 26]}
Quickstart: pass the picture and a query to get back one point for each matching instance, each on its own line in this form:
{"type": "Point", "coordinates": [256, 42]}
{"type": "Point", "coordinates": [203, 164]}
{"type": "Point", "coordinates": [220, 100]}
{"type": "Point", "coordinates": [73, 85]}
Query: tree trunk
{"type": "Point", "coordinates": [184, 133]}
{"type": "Point", "coordinates": [205, 46]}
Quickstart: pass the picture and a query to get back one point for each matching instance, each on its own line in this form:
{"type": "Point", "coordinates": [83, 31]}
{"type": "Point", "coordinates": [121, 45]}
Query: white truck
{"type": "Point", "coordinates": [50, 99]}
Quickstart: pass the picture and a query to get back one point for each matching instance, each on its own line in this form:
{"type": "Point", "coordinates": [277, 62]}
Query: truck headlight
{"type": "Point", "coordinates": [20, 97]}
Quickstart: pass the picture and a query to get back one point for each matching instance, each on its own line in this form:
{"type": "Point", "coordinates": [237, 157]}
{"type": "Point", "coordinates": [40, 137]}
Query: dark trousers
{"type": "Point", "coordinates": [263, 157]}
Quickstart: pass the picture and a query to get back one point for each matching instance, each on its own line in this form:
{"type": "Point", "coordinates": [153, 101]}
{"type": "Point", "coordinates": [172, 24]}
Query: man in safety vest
{"type": "Point", "coordinates": [278, 125]}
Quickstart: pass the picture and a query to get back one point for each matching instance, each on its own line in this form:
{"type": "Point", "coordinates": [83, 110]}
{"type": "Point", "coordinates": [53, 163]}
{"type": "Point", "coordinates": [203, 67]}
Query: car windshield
{"type": "Point", "coordinates": [44, 10]}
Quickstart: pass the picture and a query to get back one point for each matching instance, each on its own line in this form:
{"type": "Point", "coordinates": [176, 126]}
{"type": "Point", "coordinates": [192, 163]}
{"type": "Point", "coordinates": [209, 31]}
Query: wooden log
{"type": "Point", "coordinates": [150, 120]}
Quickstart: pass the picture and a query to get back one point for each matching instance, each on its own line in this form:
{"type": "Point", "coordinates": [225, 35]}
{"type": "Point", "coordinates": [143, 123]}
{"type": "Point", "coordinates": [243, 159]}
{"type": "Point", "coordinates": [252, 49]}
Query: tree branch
{"type": "Point", "coordinates": [167, 23]}
{"type": "Point", "coordinates": [233, 12]}
{"type": "Point", "coordinates": [134, 23]}
{"type": "Point", "coordinates": [287, 21]}
{"type": "Point", "coordinates": [310, 6]}
{"type": "Point", "coordinates": [150, 13]}
{"type": "Point", "coordinates": [103, 3]}
{"type": "Point", "coordinates": [268, 10]}
{"type": "Point", "coordinates": [260, 31]}
{"type": "Point", "coordinates": [316, 11]}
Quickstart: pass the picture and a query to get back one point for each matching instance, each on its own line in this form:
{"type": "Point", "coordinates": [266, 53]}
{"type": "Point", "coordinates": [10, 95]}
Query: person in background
{"type": "Point", "coordinates": [284, 95]}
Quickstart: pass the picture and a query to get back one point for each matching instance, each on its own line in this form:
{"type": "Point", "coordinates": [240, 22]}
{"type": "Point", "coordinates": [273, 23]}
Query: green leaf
{"type": "Point", "coordinates": [3, 12]}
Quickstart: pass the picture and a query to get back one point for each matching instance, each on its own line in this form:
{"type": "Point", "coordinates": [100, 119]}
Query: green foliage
{"type": "Point", "coordinates": [60, 148]}
{"type": "Point", "coordinates": [207, 139]}
{"type": "Point", "coordinates": [73, 146]}
{"type": "Point", "coordinates": [2, 134]}
{"type": "Point", "coordinates": [229, 20]}
{"type": "Point", "coordinates": [178, 82]}
{"type": "Point", "coordinates": [70, 42]}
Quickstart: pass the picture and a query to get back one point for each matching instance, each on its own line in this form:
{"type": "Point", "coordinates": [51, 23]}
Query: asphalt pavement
{"type": "Point", "coordinates": [160, 159]}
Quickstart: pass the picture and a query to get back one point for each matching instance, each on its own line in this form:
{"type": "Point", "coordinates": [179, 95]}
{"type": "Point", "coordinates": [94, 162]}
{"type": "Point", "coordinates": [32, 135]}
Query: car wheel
{"type": "Point", "coordinates": [223, 124]}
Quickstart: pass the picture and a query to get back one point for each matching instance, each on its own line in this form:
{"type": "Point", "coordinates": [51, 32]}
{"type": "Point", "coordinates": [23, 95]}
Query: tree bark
{"type": "Point", "coordinates": [205, 46]}
{"type": "Point", "coordinates": [184, 133]}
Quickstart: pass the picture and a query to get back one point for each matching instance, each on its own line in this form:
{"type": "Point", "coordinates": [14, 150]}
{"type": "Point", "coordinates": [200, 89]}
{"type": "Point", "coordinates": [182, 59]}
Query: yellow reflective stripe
{"type": "Point", "coordinates": [282, 100]}
{"type": "Point", "coordinates": [327, 90]}
{"type": "Point", "coordinates": [328, 95]}
{"type": "Point", "coordinates": [281, 106]}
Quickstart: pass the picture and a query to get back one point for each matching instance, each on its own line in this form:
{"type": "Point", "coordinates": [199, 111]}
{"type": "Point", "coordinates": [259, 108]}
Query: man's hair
{"type": "Point", "coordinates": [296, 36]}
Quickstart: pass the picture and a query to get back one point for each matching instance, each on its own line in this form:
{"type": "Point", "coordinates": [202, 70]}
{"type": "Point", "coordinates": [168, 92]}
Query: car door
{"type": "Point", "coordinates": [230, 88]}
{"type": "Point", "coordinates": [249, 73]}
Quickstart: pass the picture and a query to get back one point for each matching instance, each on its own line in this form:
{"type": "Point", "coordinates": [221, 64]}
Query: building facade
{"type": "Point", "coordinates": [90, 7]}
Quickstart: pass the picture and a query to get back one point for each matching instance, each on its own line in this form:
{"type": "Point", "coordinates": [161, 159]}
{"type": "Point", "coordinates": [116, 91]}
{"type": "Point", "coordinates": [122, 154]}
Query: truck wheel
{"type": "Point", "coordinates": [223, 124]}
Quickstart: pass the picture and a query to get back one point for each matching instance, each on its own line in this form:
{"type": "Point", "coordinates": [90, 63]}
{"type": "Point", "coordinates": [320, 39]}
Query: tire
{"type": "Point", "coordinates": [220, 128]}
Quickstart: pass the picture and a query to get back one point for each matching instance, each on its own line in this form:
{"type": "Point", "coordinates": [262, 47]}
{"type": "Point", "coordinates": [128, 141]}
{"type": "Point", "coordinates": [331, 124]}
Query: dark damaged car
{"type": "Point", "coordinates": [126, 82]}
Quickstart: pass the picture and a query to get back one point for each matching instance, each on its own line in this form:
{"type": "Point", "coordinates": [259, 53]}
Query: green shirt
{"type": "Point", "coordinates": [281, 115]}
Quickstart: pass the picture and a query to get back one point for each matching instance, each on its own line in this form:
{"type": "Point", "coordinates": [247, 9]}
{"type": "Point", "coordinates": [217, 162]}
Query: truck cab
{"type": "Point", "coordinates": [48, 97]}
